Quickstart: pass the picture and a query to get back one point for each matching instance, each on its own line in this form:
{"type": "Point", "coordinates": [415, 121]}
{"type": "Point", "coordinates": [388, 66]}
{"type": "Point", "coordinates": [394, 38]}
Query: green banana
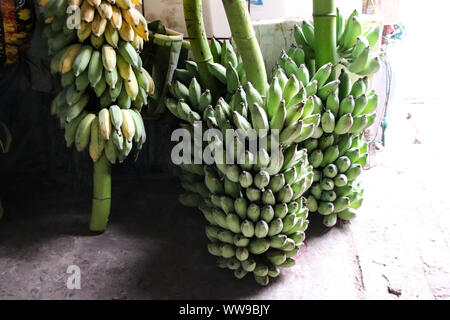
{"type": "Point", "coordinates": [81, 62]}
{"type": "Point", "coordinates": [83, 133]}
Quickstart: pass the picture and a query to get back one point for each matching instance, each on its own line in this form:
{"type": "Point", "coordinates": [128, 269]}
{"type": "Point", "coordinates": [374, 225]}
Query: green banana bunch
{"type": "Point", "coordinates": [346, 108]}
{"type": "Point", "coordinates": [255, 207]}
{"type": "Point", "coordinates": [356, 47]}
{"type": "Point", "coordinates": [97, 59]}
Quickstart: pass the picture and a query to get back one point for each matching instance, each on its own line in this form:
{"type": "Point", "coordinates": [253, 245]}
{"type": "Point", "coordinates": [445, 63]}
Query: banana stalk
{"type": "Point", "coordinates": [199, 43]}
{"type": "Point", "coordinates": [101, 198]}
{"type": "Point", "coordinates": [246, 43]}
{"type": "Point", "coordinates": [324, 12]}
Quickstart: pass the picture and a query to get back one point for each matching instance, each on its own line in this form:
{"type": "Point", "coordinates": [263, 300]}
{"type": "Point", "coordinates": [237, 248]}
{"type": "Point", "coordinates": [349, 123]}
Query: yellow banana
{"type": "Point", "coordinates": [67, 59]}
{"type": "Point", "coordinates": [142, 30]}
{"type": "Point", "coordinates": [123, 4]}
{"type": "Point", "coordinates": [136, 2]}
{"type": "Point", "coordinates": [125, 69]}
{"type": "Point", "coordinates": [126, 32]}
{"type": "Point", "coordinates": [151, 90]}
{"type": "Point", "coordinates": [104, 121]}
{"type": "Point", "coordinates": [97, 143]}
{"type": "Point", "coordinates": [84, 31]}
{"type": "Point", "coordinates": [132, 87]}
{"type": "Point", "coordinates": [116, 19]}
{"type": "Point", "coordinates": [99, 25]}
{"type": "Point", "coordinates": [130, 17]}
{"type": "Point", "coordinates": [112, 1]}
{"type": "Point", "coordinates": [105, 10]}
{"type": "Point", "coordinates": [109, 57]}
{"type": "Point", "coordinates": [128, 127]}
{"type": "Point", "coordinates": [75, 3]}
{"type": "Point", "coordinates": [87, 12]}
{"type": "Point", "coordinates": [94, 3]}
{"type": "Point", "coordinates": [138, 42]}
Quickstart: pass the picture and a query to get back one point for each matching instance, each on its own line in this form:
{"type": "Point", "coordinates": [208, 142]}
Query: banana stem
{"type": "Point", "coordinates": [101, 198]}
{"type": "Point", "coordinates": [246, 43]}
{"type": "Point", "coordinates": [193, 15]}
{"type": "Point", "coordinates": [324, 12]}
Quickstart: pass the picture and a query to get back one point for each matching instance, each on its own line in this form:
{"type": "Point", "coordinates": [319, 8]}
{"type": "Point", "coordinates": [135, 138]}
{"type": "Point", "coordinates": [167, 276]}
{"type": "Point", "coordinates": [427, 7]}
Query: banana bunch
{"type": "Point", "coordinates": [338, 161]}
{"type": "Point", "coordinates": [112, 132]}
{"type": "Point", "coordinates": [108, 72]}
{"type": "Point", "coordinates": [355, 45]}
{"type": "Point", "coordinates": [256, 213]}
{"type": "Point", "coordinates": [346, 109]}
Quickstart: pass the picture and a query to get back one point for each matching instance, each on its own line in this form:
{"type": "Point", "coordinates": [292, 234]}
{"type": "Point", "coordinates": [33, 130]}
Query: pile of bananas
{"type": "Point", "coordinates": [104, 85]}
{"type": "Point", "coordinates": [356, 47]}
{"type": "Point", "coordinates": [256, 213]}
{"type": "Point", "coordinates": [336, 149]}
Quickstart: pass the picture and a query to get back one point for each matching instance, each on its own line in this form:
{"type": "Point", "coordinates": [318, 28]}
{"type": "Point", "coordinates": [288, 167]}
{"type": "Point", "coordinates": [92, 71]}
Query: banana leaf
{"type": "Point", "coordinates": [162, 56]}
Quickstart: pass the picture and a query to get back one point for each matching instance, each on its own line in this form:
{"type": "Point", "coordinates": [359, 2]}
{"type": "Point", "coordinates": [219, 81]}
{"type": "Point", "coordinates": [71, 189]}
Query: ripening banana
{"type": "Point", "coordinates": [109, 58]}
{"type": "Point", "coordinates": [131, 17]}
{"type": "Point", "coordinates": [68, 58]}
{"type": "Point", "coordinates": [97, 142]}
{"type": "Point", "coordinates": [97, 42]}
{"type": "Point", "coordinates": [104, 121]}
{"type": "Point", "coordinates": [87, 12]}
{"type": "Point", "coordinates": [94, 3]}
{"type": "Point", "coordinates": [126, 32]}
{"type": "Point", "coordinates": [99, 25]}
{"type": "Point", "coordinates": [124, 4]}
{"type": "Point", "coordinates": [132, 87]}
{"type": "Point", "coordinates": [105, 10]}
{"type": "Point", "coordinates": [116, 18]}
{"type": "Point", "coordinates": [112, 36]}
{"type": "Point", "coordinates": [128, 127]}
